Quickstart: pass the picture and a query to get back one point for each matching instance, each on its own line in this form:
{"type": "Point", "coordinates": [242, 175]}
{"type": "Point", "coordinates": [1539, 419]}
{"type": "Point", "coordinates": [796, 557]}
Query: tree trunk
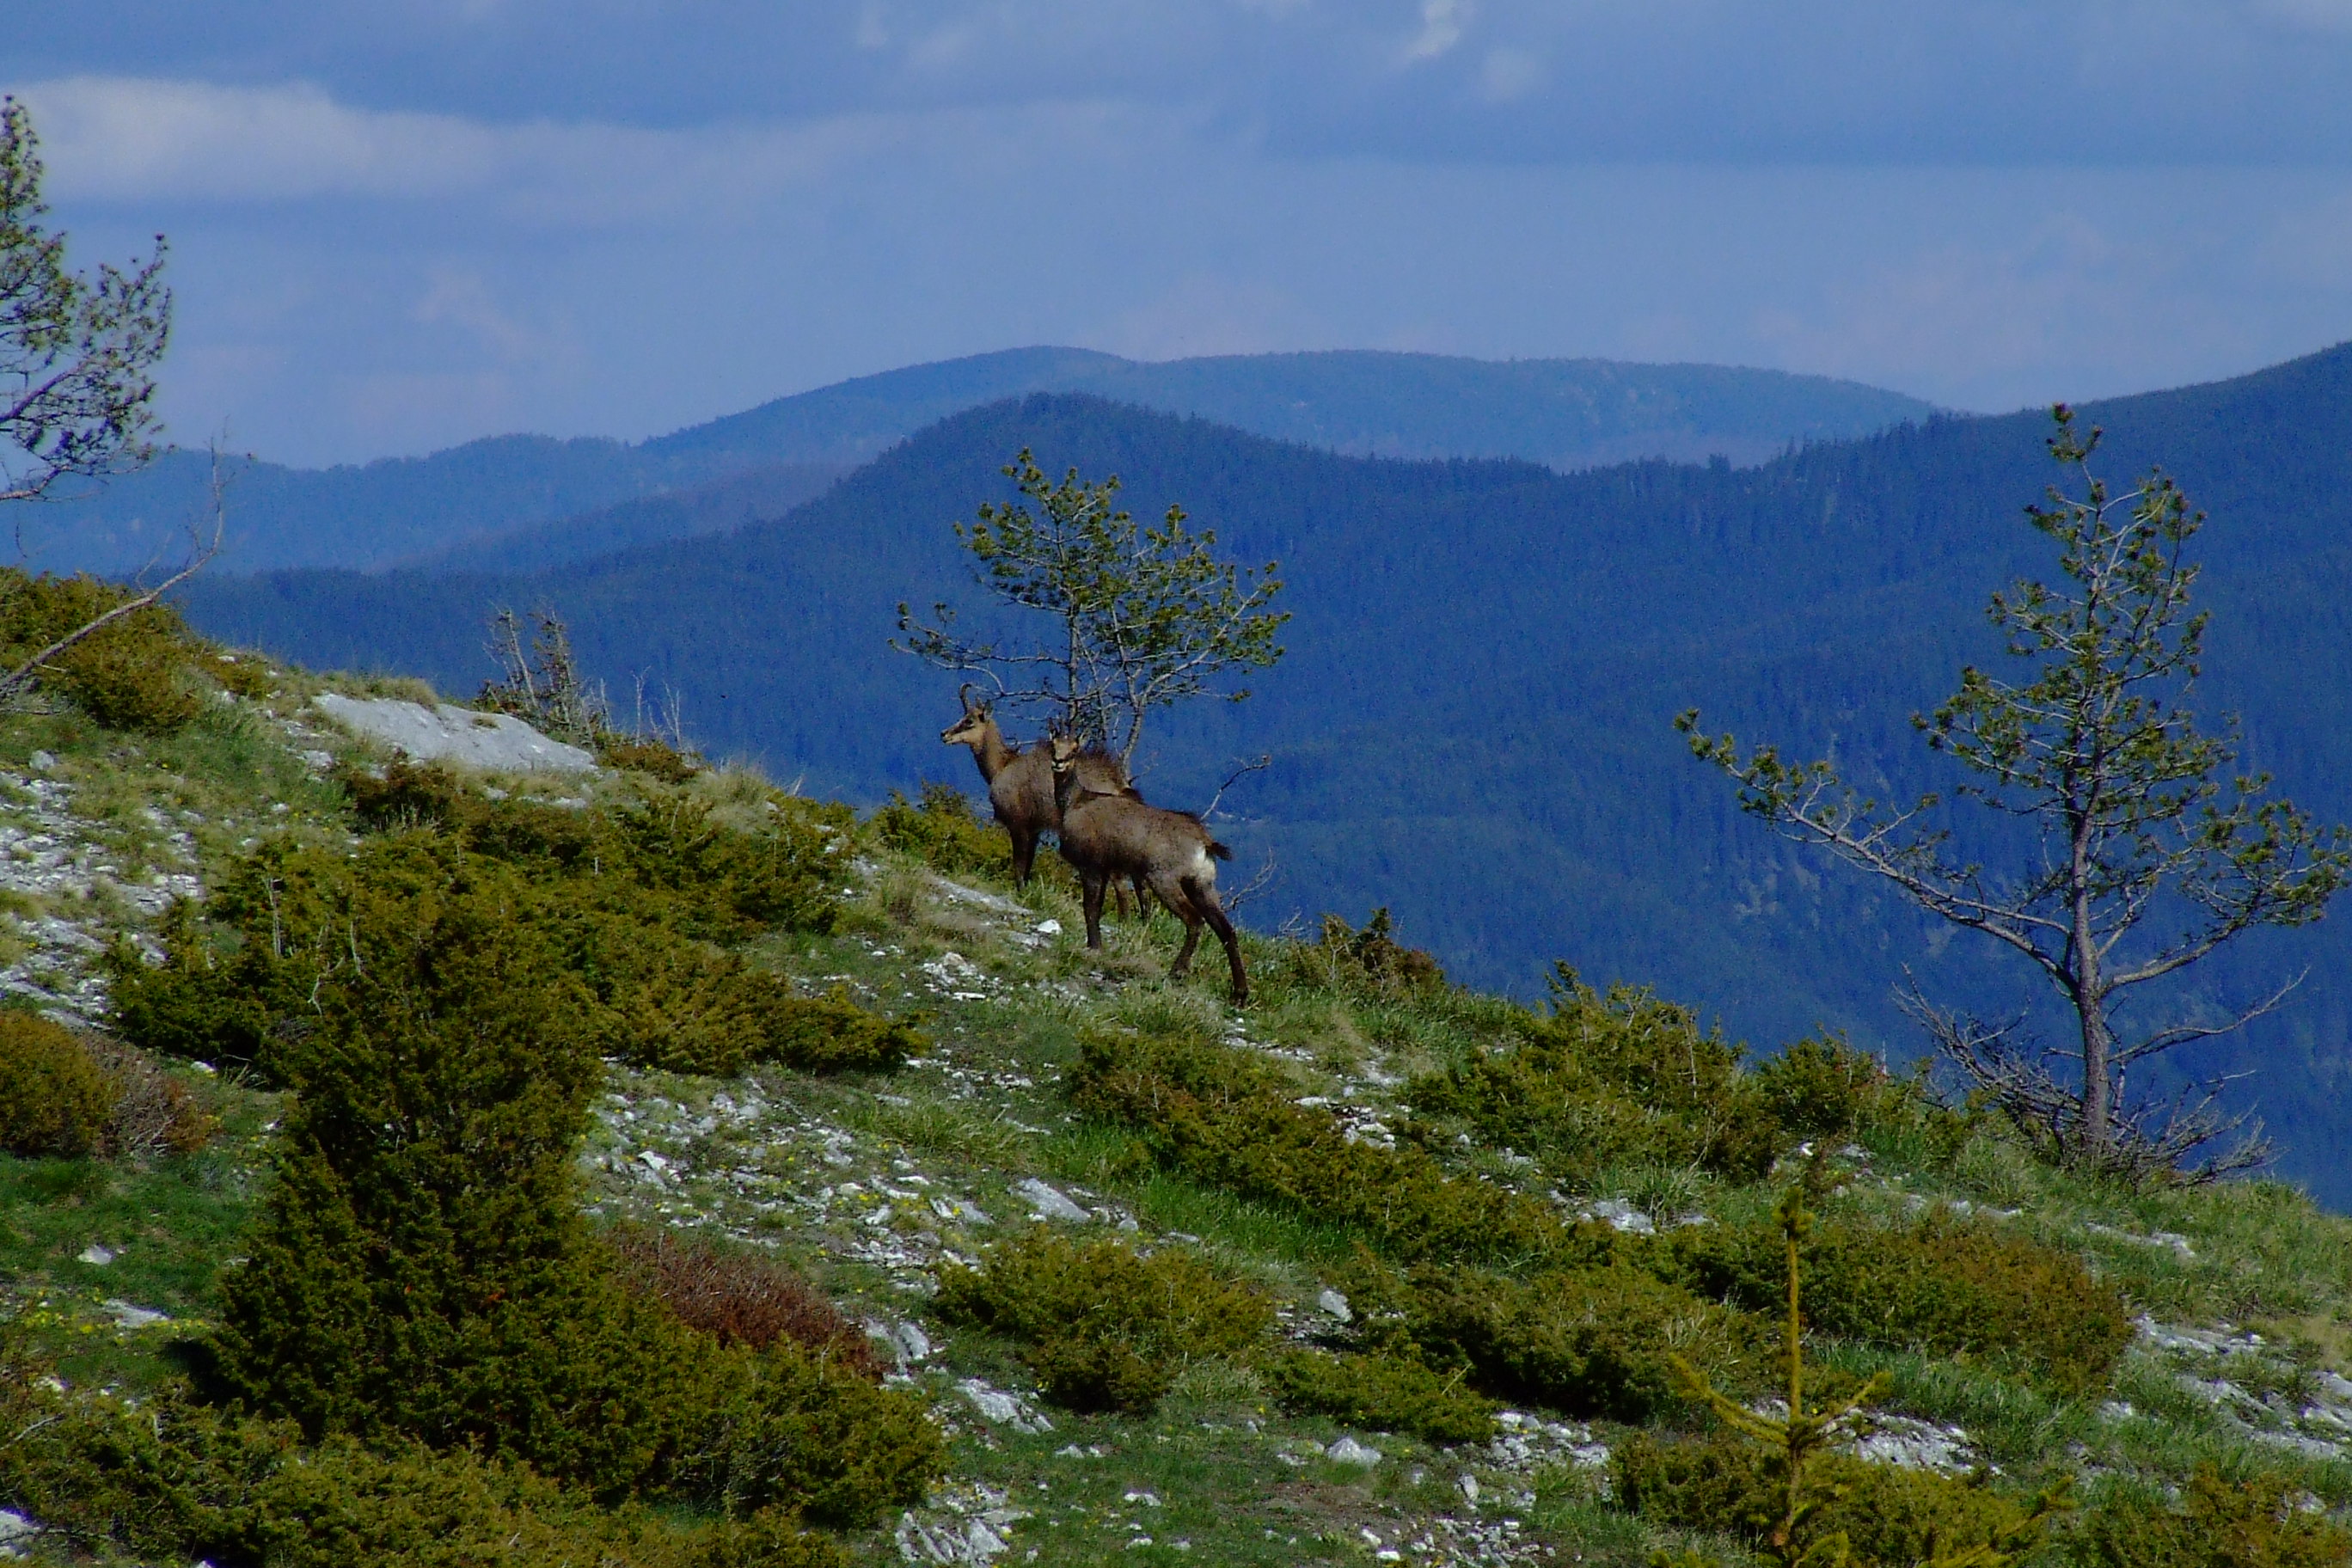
{"type": "Point", "coordinates": [2088, 993]}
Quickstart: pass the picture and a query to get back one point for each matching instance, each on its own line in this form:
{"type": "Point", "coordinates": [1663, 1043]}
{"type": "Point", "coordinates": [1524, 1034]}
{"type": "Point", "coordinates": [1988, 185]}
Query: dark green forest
{"type": "Point", "coordinates": [1472, 726]}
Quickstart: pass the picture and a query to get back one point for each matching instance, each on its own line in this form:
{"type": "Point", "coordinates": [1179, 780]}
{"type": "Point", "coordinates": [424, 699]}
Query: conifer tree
{"type": "Point", "coordinates": [2148, 855]}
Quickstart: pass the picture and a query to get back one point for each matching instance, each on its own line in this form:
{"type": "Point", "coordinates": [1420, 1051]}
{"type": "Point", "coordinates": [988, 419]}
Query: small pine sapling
{"type": "Point", "coordinates": [1802, 1434]}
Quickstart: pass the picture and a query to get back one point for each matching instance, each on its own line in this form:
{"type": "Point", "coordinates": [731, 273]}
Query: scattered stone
{"type": "Point", "coordinates": [97, 1255]}
{"type": "Point", "coordinates": [1335, 1304]}
{"type": "Point", "coordinates": [1048, 1203]}
{"type": "Point", "coordinates": [16, 1534]}
{"type": "Point", "coordinates": [1000, 1408]}
{"type": "Point", "coordinates": [1048, 928]}
{"type": "Point", "coordinates": [42, 762]}
{"type": "Point", "coordinates": [1912, 1444]}
{"type": "Point", "coordinates": [498, 742]}
{"type": "Point", "coordinates": [964, 1522]}
{"type": "Point", "coordinates": [1347, 1451]}
{"type": "Point", "coordinates": [127, 1316]}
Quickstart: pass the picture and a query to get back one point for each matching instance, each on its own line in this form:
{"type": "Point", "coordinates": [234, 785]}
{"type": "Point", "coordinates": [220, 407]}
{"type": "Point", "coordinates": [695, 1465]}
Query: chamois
{"type": "Point", "coordinates": [1108, 837]}
{"type": "Point", "coordinates": [1021, 783]}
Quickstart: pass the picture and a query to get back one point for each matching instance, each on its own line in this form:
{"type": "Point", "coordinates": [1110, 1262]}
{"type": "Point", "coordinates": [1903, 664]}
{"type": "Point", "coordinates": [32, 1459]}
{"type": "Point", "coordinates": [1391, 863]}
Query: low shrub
{"type": "Point", "coordinates": [155, 1113]}
{"type": "Point", "coordinates": [176, 1480]}
{"type": "Point", "coordinates": [2216, 1523]}
{"type": "Point", "coordinates": [738, 1298]}
{"type": "Point", "coordinates": [944, 831]}
{"type": "Point", "coordinates": [798, 1430]}
{"type": "Point", "coordinates": [1945, 1285]}
{"type": "Point", "coordinates": [1591, 1341]}
{"type": "Point", "coordinates": [247, 986]}
{"type": "Point", "coordinates": [1611, 1080]}
{"type": "Point", "coordinates": [54, 1097]}
{"type": "Point", "coordinates": [1381, 1394]}
{"type": "Point", "coordinates": [1230, 1119]}
{"type": "Point", "coordinates": [419, 1269]}
{"type": "Point", "coordinates": [1106, 1328]}
{"type": "Point", "coordinates": [1826, 1088]}
{"type": "Point", "coordinates": [136, 672]}
{"type": "Point", "coordinates": [1890, 1518]}
{"type": "Point", "coordinates": [644, 754]}
{"type": "Point", "coordinates": [1368, 960]}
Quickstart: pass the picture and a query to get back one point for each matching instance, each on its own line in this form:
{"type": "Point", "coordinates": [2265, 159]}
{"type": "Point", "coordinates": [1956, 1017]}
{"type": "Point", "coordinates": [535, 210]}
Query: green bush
{"type": "Point", "coordinates": [172, 1479]}
{"type": "Point", "coordinates": [1228, 1119]}
{"type": "Point", "coordinates": [943, 831]}
{"type": "Point", "coordinates": [1944, 1285]}
{"type": "Point", "coordinates": [2218, 1523]}
{"type": "Point", "coordinates": [136, 672]}
{"type": "Point", "coordinates": [245, 987]}
{"type": "Point", "coordinates": [55, 1098]}
{"type": "Point", "coordinates": [1826, 1088]}
{"type": "Point", "coordinates": [644, 754]}
{"type": "Point", "coordinates": [1591, 1341]}
{"type": "Point", "coordinates": [1891, 1517]}
{"type": "Point", "coordinates": [1107, 1328]}
{"type": "Point", "coordinates": [1611, 1080]}
{"type": "Point", "coordinates": [420, 1268]}
{"type": "Point", "coordinates": [797, 1429]}
{"type": "Point", "coordinates": [1368, 960]}
{"type": "Point", "coordinates": [1381, 1394]}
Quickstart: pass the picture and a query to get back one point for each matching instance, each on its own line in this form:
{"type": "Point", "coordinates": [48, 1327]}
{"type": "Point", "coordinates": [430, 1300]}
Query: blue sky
{"type": "Point", "coordinates": [400, 223]}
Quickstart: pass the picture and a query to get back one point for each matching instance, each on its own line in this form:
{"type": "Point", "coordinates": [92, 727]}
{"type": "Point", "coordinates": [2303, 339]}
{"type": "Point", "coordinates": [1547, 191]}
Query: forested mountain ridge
{"type": "Point", "coordinates": [523, 503]}
{"type": "Point", "coordinates": [1472, 725]}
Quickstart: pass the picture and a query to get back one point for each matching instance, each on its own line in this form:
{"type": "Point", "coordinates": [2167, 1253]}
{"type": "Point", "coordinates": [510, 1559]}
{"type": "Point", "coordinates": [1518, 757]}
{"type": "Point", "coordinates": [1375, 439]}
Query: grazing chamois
{"type": "Point", "coordinates": [1021, 783]}
{"type": "Point", "coordinates": [1111, 836]}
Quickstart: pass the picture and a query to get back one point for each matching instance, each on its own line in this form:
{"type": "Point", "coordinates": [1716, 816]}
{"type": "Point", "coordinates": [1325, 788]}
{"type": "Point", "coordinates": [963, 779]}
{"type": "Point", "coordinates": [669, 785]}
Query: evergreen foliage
{"type": "Point", "coordinates": [628, 901]}
{"type": "Point", "coordinates": [2218, 1522]}
{"type": "Point", "coordinates": [1228, 1119]}
{"type": "Point", "coordinates": [1946, 1285]}
{"type": "Point", "coordinates": [1381, 1393]}
{"type": "Point", "coordinates": [1106, 1328]}
{"type": "Point", "coordinates": [420, 1267]}
{"type": "Point", "coordinates": [54, 1099]}
{"type": "Point", "coordinates": [1148, 617]}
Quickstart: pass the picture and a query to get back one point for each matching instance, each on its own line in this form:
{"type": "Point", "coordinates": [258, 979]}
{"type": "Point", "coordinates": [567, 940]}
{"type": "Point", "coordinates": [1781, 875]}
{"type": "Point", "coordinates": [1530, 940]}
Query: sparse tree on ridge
{"type": "Point", "coordinates": [76, 351]}
{"type": "Point", "coordinates": [2146, 861]}
{"type": "Point", "coordinates": [1147, 617]}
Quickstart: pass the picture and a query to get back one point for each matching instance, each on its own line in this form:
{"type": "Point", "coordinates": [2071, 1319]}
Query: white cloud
{"type": "Point", "coordinates": [1442, 24]}
{"type": "Point", "coordinates": [134, 139]}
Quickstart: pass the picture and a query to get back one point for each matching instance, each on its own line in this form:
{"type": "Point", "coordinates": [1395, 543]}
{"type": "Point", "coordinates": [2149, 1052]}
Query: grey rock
{"type": "Point", "coordinates": [127, 1316]}
{"type": "Point", "coordinates": [1048, 1203]}
{"type": "Point", "coordinates": [1334, 1303]}
{"type": "Point", "coordinates": [97, 1255]}
{"type": "Point", "coordinates": [1347, 1451]}
{"type": "Point", "coordinates": [446, 733]}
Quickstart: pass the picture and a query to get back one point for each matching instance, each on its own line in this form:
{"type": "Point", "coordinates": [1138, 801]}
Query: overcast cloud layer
{"type": "Point", "coordinates": [398, 226]}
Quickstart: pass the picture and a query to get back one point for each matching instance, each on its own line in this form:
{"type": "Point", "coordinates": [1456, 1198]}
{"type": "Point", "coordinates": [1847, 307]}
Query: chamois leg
{"type": "Point", "coordinates": [1024, 853]}
{"type": "Point", "coordinates": [1091, 885]}
{"type": "Point", "coordinates": [1183, 965]}
{"type": "Point", "coordinates": [1142, 899]}
{"type": "Point", "coordinates": [1204, 899]}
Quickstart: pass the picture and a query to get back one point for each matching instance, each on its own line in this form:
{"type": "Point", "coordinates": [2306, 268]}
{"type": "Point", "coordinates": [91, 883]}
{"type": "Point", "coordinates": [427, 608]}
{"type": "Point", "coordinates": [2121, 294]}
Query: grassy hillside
{"type": "Point", "coordinates": [1382, 1268]}
{"type": "Point", "coordinates": [1472, 726]}
{"type": "Point", "coordinates": [526, 502]}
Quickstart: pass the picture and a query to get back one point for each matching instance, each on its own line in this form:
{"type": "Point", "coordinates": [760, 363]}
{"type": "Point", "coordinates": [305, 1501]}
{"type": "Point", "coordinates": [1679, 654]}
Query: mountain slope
{"type": "Point", "coordinates": [1473, 725]}
{"type": "Point", "coordinates": [525, 501]}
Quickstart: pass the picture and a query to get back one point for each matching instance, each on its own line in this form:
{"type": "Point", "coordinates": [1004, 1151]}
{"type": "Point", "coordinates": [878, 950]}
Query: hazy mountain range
{"type": "Point", "coordinates": [522, 500]}
{"type": "Point", "coordinates": [1473, 724]}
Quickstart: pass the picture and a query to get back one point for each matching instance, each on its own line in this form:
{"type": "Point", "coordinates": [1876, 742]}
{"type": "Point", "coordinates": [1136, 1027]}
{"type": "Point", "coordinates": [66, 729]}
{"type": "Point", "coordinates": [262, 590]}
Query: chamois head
{"type": "Point", "coordinates": [977, 721]}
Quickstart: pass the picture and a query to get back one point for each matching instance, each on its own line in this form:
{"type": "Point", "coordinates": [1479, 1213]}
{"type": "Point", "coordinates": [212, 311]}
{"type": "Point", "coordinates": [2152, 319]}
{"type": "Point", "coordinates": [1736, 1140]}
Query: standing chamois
{"type": "Point", "coordinates": [1021, 785]}
{"type": "Point", "coordinates": [1109, 837]}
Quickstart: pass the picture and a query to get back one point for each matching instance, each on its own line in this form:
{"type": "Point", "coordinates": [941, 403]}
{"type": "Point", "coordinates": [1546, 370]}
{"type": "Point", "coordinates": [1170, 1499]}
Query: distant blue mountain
{"type": "Point", "coordinates": [515, 502]}
{"type": "Point", "coordinates": [1473, 725]}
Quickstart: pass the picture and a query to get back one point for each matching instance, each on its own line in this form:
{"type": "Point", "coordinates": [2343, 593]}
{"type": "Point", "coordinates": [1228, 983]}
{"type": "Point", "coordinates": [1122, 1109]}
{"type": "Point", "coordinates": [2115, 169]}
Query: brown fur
{"type": "Point", "coordinates": [1021, 786]}
{"type": "Point", "coordinates": [1108, 837]}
